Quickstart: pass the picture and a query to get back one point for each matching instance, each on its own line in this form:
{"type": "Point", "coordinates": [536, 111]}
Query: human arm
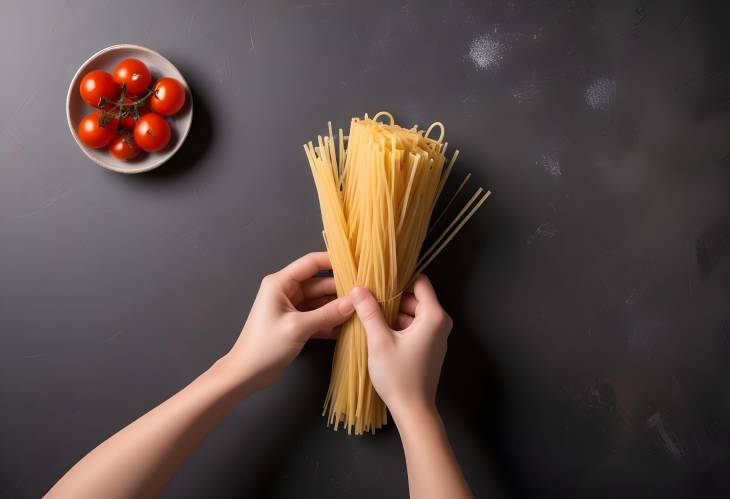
{"type": "Point", "coordinates": [404, 367]}
{"type": "Point", "coordinates": [291, 306]}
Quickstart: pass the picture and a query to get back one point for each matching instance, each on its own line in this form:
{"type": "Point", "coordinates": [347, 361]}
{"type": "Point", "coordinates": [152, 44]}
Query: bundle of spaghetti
{"type": "Point", "coordinates": [377, 189]}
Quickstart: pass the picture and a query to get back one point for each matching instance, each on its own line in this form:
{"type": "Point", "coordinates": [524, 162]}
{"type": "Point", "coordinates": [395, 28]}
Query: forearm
{"type": "Point", "coordinates": [433, 471]}
{"type": "Point", "coordinates": [141, 458]}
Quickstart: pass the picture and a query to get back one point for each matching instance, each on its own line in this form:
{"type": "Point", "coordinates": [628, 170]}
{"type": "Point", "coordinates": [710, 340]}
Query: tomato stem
{"type": "Point", "coordinates": [120, 109]}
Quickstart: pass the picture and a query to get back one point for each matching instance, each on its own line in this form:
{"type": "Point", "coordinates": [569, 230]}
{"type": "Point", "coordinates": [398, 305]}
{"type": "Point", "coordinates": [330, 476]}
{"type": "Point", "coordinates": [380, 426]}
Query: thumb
{"type": "Point", "coordinates": [371, 317]}
{"type": "Point", "coordinates": [327, 316]}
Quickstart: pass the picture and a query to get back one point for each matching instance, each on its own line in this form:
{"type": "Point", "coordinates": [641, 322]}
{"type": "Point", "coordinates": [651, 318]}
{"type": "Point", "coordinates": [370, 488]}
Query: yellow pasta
{"type": "Point", "coordinates": [377, 189]}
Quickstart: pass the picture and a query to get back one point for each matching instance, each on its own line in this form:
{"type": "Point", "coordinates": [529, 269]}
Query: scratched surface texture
{"type": "Point", "coordinates": [591, 350]}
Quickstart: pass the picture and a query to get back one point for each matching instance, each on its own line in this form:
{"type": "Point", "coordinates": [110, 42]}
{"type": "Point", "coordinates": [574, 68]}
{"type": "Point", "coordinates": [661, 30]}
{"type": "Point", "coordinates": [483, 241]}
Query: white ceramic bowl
{"type": "Point", "coordinates": [107, 59]}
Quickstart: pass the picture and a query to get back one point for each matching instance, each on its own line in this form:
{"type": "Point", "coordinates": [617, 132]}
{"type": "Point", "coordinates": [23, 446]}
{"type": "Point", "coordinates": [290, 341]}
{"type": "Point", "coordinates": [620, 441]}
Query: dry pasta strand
{"type": "Point", "coordinates": [377, 188]}
{"type": "Point", "coordinates": [450, 201]}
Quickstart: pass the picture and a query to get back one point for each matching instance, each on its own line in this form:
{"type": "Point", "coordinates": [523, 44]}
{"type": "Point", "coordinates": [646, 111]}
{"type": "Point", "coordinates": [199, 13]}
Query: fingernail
{"type": "Point", "coordinates": [346, 307]}
{"type": "Point", "coordinates": [358, 294]}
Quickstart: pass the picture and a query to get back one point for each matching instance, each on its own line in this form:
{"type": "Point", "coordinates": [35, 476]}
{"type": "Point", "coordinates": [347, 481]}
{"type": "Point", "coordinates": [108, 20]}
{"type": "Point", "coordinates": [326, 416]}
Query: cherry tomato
{"type": "Point", "coordinates": [92, 134]}
{"type": "Point", "coordinates": [152, 133]}
{"type": "Point", "coordinates": [168, 96]}
{"type": "Point", "coordinates": [123, 147]}
{"type": "Point", "coordinates": [129, 121]}
{"type": "Point", "coordinates": [97, 84]}
{"type": "Point", "coordinates": [135, 74]}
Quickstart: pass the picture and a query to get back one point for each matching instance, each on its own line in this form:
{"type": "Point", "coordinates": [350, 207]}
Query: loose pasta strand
{"type": "Point", "coordinates": [449, 202]}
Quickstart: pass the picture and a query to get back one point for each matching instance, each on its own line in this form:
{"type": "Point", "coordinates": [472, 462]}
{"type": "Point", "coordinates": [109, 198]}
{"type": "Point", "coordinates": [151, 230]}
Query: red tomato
{"type": "Point", "coordinates": [129, 121]}
{"type": "Point", "coordinates": [135, 74]}
{"type": "Point", "coordinates": [168, 96]}
{"type": "Point", "coordinates": [123, 147]}
{"type": "Point", "coordinates": [97, 84]}
{"type": "Point", "coordinates": [152, 133]}
{"type": "Point", "coordinates": [92, 134]}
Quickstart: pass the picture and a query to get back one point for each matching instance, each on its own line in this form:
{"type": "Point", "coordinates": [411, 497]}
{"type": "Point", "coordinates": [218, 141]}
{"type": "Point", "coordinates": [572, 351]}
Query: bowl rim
{"type": "Point", "coordinates": [72, 88]}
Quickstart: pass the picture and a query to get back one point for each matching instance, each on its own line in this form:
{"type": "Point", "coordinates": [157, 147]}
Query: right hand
{"type": "Point", "coordinates": [405, 365]}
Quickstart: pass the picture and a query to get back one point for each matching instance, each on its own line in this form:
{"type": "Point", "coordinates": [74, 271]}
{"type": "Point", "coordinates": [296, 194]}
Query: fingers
{"type": "Point", "coordinates": [407, 311]}
{"type": "Point", "coordinates": [317, 287]}
{"type": "Point", "coordinates": [371, 317]}
{"type": "Point", "coordinates": [308, 305]}
{"type": "Point", "coordinates": [306, 266]}
{"type": "Point", "coordinates": [403, 321]}
{"type": "Point", "coordinates": [327, 316]}
{"type": "Point", "coordinates": [408, 304]}
{"type": "Point", "coordinates": [429, 306]}
{"type": "Point", "coordinates": [424, 293]}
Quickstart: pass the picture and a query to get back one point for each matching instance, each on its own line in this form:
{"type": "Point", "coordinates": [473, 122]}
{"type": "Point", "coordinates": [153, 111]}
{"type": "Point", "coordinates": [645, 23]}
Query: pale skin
{"type": "Point", "coordinates": [292, 306]}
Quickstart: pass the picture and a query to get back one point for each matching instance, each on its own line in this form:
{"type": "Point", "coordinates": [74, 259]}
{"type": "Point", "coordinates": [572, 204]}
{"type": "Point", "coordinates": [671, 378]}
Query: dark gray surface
{"type": "Point", "coordinates": [591, 353]}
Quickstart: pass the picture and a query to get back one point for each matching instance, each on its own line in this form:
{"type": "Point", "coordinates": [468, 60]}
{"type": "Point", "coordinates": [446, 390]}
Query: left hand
{"type": "Point", "coordinates": [292, 305]}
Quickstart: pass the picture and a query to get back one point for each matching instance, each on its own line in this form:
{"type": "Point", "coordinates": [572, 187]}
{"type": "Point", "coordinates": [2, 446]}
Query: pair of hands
{"type": "Point", "coordinates": [292, 306]}
{"type": "Point", "coordinates": [295, 304]}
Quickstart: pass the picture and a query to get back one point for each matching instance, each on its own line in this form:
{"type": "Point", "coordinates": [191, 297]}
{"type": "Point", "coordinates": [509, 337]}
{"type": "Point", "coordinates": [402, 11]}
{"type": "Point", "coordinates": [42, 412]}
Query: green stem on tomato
{"type": "Point", "coordinates": [118, 108]}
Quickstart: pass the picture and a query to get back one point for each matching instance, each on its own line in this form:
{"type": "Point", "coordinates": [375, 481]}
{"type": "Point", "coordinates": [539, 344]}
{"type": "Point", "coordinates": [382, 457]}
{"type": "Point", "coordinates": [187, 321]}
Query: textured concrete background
{"type": "Point", "coordinates": [591, 353]}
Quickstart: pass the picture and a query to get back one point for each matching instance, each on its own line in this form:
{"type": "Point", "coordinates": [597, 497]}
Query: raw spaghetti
{"type": "Point", "coordinates": [377, 190]}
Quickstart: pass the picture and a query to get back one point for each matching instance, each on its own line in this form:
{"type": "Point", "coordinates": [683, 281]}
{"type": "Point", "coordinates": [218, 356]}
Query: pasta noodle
{"type": "Point", "coordinates": [377, 189]}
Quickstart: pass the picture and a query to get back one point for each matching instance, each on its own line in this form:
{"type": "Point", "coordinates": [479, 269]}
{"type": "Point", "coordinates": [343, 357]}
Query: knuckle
{"type": "Point", "coordinates": [311, 257]}
{"type": "Point", "coordinates": [268, 281]}
{"type": "Point", "coordinates": [289, 286]}
{"type": "Point", "coordinates": [441, 319]}
{"type": "Point", "coordinates": [370, 315]}
{"type": "Point", "coordinates": [448, 322]}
